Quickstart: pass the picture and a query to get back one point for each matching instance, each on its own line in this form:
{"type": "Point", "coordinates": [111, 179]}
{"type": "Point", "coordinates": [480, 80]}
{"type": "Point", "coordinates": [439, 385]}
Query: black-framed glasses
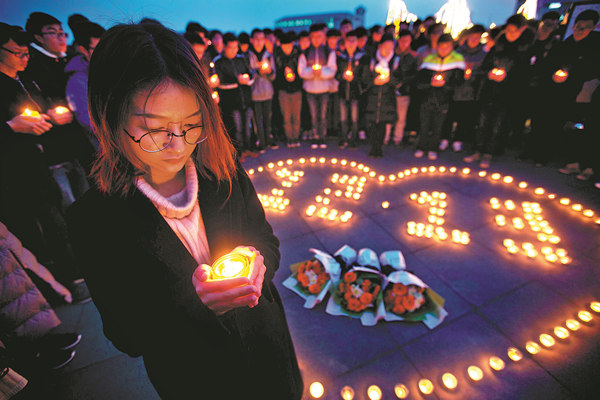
{"type": "Point", "coordinates": [18, 54]}
{"type": "Point", "coordinates": [59, 35]}
{"type": "Point", "coordinates": [158, 140]}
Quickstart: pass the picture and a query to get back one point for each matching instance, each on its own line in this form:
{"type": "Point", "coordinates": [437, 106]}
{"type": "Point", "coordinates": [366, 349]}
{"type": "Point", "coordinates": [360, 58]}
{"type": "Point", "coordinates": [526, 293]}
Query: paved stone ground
{"type": "Point", "coordinates": [495, 300]}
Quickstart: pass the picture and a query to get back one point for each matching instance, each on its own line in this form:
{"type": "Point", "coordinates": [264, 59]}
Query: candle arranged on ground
{"type": "Point", "coordinates": [61, 110]}
{"type": "Point", "coordinates": [232, 265]}
{"type": "Point", "coordinates": [468, 73]}
{"type": "Point", "coordinates": [30, 113]}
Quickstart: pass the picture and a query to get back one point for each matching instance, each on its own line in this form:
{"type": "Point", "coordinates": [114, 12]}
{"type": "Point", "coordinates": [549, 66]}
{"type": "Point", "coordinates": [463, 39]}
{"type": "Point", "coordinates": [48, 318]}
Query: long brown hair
{"type": "Point", "coordinates": [133, 58]}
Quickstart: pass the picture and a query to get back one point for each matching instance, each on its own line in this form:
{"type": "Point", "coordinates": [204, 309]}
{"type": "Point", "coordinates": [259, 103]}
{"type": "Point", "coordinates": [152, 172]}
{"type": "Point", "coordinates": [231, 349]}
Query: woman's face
{"type": "Point", "coordinates": [171, 107]}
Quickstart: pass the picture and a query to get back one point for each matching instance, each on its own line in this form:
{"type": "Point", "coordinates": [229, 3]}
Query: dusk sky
{"type": "Point", "coordinates": [232, 15]}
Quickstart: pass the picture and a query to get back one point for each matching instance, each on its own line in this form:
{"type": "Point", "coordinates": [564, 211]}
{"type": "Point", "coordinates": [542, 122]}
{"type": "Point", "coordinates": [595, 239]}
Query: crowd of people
{"type": "Point", "coordinates": [521, 86]}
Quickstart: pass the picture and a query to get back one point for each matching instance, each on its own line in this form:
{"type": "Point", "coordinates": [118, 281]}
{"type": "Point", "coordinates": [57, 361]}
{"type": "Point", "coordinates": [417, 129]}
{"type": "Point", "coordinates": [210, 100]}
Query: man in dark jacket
{"type": "Point", "coordinates": [439, 75]}
{"type": "Point", "coordinates": [379, 76]}
{"type": "Point", "coordinates": [234, 91]}
{"type": "Point", "coordinates": [409, 66]}
{"type": "Point", "coordinates": [464, 108]}
{"type": "Point", "coordinates": [506, 68]}
{"type": "Point", "coordinates": [349, 88]}
{"type": "Point", "coordinates": [563, 77]}
{"type": "Point", "coordinates": [289, 86]}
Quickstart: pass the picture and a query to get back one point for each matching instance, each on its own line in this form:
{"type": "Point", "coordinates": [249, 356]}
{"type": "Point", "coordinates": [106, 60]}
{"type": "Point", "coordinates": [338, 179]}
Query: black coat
{"type": "Point", "coordinates": [381, 100]}
{"type": "Point", "coordinates": [140, 276]}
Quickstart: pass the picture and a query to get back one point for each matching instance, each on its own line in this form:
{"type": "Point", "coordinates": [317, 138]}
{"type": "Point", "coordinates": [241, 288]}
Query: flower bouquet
{"type": "Point", "coordinates": [408, 298]}
{"type": "Point", "coordinates": [357, 293]}
{"type": "Point", "coordinates": [311, 279]}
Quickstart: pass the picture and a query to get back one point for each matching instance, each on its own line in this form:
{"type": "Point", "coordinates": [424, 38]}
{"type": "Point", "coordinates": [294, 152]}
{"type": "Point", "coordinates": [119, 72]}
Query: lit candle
{"type": "Point", "coordinates": [547, 340]}
{"type": "Point", "coordinates": [561, 332]}
{"type": "Point", "coordinates": [374, 392]}
{"type": "Point", "coordinates": [30, 113]}
{"type": "Point", "coordinates": [349, 74]}
{"type": "Point", "coordinates": [468, 73]}
{"type": "Point", "coordinates": [265, 65]}
{"type": "Point", "coordinates": [61, 110]}
{"type": "Point", "coordinates": [449, 380]}
{"type": "Point", "coordinates": [316, 67]}
{"type": "Point", "coordinates": [215, 96]}
{"type": "Point", "coordinates": [245, 76]}
{"type": "Point", "coordinates": [425, 386]}
{"type": "Point", "coordinates": [316, 390]}
{"type": "Point", "coordinates": [560, 76]}
{"type": "Point", "coordinates": [585, 316]}
{"type": "Point", "coordinates": [347, 393]}
{"type": "Point", "coordinates": [214, 79]}
{"type": "Point", "coordinates": [595, 306]}
{"type": "Point", "coordinates": [532, 347]}
{"type": "Point", "coordinates": [514, 354]}
{"type": "Point", "coordinates": [475, 373]}
{"type": "Point", "coordinates": [232, 265]}
{"type": "Point", "coordinates": [401, 391]}
{"type": "Point", "coordinates": [573, 325]}
{"type": "Point", "coordinates": [498, 72]}
{"type": "Point", "coordinates": [496, 363]}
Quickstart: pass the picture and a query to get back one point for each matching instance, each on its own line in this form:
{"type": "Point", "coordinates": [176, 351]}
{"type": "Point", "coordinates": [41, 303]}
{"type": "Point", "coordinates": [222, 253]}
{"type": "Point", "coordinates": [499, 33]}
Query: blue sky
{"type": "Point", "coordinates": [231, 15]}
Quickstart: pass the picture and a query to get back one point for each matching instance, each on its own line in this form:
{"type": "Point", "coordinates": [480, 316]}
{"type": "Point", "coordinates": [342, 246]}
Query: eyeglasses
{"type": "Point", "coordinates": [18, 54]}
{"type": "Point", "coordinates": [155, 141]}
{"type": "Point", "coordinates": [59, 35]}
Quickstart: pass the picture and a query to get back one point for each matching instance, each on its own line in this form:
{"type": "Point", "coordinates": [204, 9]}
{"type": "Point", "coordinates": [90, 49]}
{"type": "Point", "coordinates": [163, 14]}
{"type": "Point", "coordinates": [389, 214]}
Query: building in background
{"type": "Point", "coordinates": [332, 20]}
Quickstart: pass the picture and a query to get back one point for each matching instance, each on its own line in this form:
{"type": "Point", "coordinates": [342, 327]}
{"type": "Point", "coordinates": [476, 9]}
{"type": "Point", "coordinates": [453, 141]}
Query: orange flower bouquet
{"type": "Point", "coordinates": [358, 291]}
{"type": "Point", "coordinates": [408, 298]}
{"type": "Point", "coordinates": [311, 276]}
{"type": "Point", "coordinates": [311, 279]}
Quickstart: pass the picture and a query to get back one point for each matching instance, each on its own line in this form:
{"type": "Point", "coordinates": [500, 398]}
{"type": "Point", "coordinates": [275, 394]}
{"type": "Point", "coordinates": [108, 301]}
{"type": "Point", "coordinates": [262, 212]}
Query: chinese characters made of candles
{"type": "Point", "coordinates": [232, 265]}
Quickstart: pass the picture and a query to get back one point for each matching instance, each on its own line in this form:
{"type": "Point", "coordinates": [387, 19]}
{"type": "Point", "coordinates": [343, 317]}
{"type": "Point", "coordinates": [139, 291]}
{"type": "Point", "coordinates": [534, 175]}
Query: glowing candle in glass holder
{"type": "Point", "coordinates": [374, 392]}
{"type": "Point", "coordinates": [316, 390]}
{"type": "Point", "coordinates": [514, 354]}
{"type": "Point", "coordinates": [496, 363]}
{"type": "Point", "coordinates": [347, 393]}
{"type": "Point", "coordinates": [232, 265]}
{"type": "Point", "coordinates": [475, 373]}
{"type": "Point", "coordinates": [468, 73]}
{"type": "Point", "coordinates": [30, 113]}
{"type": "Point", "coordinates": [61, 110]}
{"type": "Point", "coordinates": [560, 76]}
{"type": "Point", "coordinates": [449, 380]}
{"type": "Point", "coordinates": [401, 391]}
{"type": "Point", "coordinates": [425, 386]}
{"type": "Point", "coordinates": [498, 72]}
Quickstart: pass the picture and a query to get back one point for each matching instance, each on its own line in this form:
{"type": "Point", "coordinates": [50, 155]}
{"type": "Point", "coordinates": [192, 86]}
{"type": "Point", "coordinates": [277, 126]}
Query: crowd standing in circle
{"type": "Point", "coordinates": [521, 88]}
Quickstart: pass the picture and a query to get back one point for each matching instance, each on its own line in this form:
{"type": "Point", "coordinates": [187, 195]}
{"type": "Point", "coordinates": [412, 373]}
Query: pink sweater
{"type": "Point", "coordinates": [182, 213]}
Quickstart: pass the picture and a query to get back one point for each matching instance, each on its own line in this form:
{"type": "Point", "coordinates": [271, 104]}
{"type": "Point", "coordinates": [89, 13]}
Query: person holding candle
{"type": "Point", "coordinates": [289, 87]}
{"type": "Point", "coordinates": [464, 107]}
{"type": "Point", "coordinates": [317, 66]}
{"type": "Point", "coordinates": [438, 76]}
{"type": "Point", "coordinates": [409, 66]}
{"type": "Point", "coordinates": [506, 71]}
{"type": "Point", "coordinates": [379, 76]}
{"type": "Point", "coordinates": [563, 76]}
{"type": "Point", "coordinates": [171, 199]}
{"type": "Point", "coordinates": [235, 92]}
{"type": "Point", "coordinates": [348, 75]}
{"type": "Point", "coordinates": [262, 66]}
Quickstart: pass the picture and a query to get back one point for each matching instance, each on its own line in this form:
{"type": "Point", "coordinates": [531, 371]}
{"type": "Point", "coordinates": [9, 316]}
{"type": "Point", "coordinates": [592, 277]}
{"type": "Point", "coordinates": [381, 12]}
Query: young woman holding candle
{"type": "Point", "coordinates": [170, 199]}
